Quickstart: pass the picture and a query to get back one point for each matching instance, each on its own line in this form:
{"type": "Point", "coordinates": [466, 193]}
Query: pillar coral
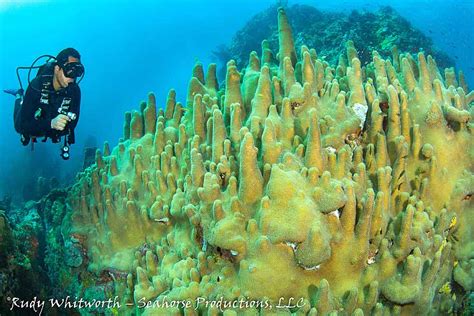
{"type": "Point", "coordinates": [276, 186]}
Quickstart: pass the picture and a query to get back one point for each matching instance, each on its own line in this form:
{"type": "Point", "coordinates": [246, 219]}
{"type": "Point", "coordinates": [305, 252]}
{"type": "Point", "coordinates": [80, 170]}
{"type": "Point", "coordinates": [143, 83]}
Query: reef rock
{"type": "Point", "coordinates": [328, 32]}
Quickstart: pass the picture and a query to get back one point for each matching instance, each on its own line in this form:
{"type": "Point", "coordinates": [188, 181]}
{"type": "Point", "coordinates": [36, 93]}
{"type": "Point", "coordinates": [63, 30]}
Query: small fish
{"type": "Point", "coordinates": [453, 222]}
{"type": "Point", "coordinates": [445, 288]}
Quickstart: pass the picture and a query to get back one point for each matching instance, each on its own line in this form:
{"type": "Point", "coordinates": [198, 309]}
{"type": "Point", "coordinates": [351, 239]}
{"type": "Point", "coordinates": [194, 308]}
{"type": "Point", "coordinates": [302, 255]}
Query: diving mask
{"type": "Point", "coordinates": [73, 70]}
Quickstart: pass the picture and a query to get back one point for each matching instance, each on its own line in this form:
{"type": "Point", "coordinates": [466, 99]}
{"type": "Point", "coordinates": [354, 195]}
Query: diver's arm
{"type": "Point", "coordinates": [76, 105]}
{"type": "Point", "coordinates": [31, 103]}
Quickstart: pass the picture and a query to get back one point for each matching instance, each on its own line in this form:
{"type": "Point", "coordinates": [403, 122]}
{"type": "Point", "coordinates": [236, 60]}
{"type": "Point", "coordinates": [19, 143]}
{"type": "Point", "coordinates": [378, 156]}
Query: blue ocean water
{"type": "Point", "coordinates": [130, 48]}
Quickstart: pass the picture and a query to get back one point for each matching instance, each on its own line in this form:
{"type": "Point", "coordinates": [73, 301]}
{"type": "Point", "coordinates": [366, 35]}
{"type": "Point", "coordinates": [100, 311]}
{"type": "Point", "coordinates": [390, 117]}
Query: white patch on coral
{"type": "Point", "coordinates": [336, 213]}
{"type": "Point", "coordinates": [360, 111]}
{"type": "Point", "coordinates": [315, 268]}
{"type": "Point", "coordinates": [252, 268]}
{"type": "Point", "coordinates": [371, 258]}
{"type": "Point", "coordinates": [292, 245]}
{"type": "Point", "coordinates": [331, 150]}
{"type": "Point", "coordinates": [234, 253]}
{"type": "Point", "coordinates": [307, 268]}
{"type": "Point", "coordinates": [163, 220]}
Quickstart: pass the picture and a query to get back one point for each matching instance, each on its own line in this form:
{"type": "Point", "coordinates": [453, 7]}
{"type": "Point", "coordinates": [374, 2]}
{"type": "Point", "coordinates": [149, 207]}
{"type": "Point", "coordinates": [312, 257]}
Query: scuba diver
{"type": "Point", "coordinates": [51, 105]}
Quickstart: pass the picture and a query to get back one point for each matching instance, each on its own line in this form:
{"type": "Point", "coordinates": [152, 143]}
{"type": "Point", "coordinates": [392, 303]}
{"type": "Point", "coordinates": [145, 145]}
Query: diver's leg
{"type": "Point", "coordinates": [16, 114]}
{"type": "Point", "coordinates": [25, 139]}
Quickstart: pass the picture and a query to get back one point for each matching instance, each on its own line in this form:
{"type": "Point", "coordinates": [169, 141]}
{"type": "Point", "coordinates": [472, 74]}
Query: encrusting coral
{"type": "Point", "coordinates": [348, 188]}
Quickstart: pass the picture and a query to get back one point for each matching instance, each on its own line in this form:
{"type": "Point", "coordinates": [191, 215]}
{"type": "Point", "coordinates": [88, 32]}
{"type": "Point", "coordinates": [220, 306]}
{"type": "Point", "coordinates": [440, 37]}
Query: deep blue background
{"type": "Point", "coordinates": [130, 48]}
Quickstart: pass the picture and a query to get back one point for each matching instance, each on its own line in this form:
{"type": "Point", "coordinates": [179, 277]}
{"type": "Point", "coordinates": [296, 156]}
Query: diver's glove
{"type": "Point", "coordinates": [59, 122]}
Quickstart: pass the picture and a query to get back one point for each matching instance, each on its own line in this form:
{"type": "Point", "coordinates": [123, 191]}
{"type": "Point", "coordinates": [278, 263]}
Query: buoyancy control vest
{"type": "Point", "coordinates": [45, 75]}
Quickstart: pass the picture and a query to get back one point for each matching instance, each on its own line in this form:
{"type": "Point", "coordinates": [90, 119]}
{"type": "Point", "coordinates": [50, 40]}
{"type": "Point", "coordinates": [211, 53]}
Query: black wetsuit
{"type": "Point", "coordinates": [40, 105]}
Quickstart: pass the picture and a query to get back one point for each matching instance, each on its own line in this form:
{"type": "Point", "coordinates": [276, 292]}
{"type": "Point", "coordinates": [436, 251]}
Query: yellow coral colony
{"type": "Point", "coordinates": [348, 187]}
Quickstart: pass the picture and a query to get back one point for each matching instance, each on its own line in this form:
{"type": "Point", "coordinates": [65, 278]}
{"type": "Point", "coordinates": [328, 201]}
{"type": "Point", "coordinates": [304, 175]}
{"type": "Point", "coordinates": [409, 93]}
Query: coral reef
{"type": "Point", "coordinates": [32, 251]}
{"type": "Point", "coordinates": [89, 157]}
{"type": "Point", "coordinates": [20, 267]}
{"type": "Point", "coordinates": [346, 188]}
{"type": "Point", "coordinates": [328, 31]}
